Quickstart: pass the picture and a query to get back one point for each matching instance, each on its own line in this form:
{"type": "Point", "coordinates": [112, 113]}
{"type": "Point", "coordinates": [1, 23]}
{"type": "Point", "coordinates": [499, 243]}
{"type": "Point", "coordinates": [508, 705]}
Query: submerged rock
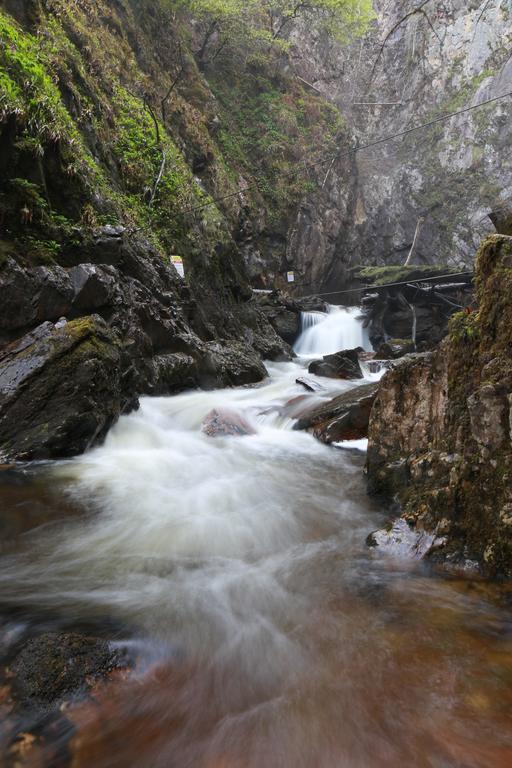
{"type": "Point", "coordinates": [402, 540]}
{"type": "Point", "coordinates": [346, 417]}
{"type": "Point", "coordinates": [341, 365]}
{"type": "Point", "coordinates": [53, 668]}
{"type": "Point", "coordinates": [224, 422]}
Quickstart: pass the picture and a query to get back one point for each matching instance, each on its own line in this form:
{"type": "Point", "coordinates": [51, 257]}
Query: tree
{"type": "Point", "coordinates": [341, 18]}
{"type": "Point", "coordinates": [220, 21]}
{"type": "Point", "coordinates": [270, 22]}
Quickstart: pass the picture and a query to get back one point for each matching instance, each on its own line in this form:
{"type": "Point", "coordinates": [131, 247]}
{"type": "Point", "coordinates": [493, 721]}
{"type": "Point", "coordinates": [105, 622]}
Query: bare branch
{"type": "Point", "coordinates": [418, 9]}
{"type": "Point", "coordinates": [482, 14]}
{"type": "Point", "coordinates": [175, 82]}
{"type": "Point", "coordinates": [158, 179]}
{"type": "Point", "coordinates": [149, 108]}
{"type": "Point", "coordinates": [419, 225]}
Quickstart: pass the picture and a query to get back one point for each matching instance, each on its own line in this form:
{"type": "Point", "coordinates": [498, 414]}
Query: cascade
{"type": "Point", "coordinates": [327, 333]}
{"type": "Point", "coordinates": [236, 568]}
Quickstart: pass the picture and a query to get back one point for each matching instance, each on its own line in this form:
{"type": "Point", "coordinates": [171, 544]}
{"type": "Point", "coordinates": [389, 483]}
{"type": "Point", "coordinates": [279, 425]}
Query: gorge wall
{"type": "Point", "coordinates": [439, 56]}
{"type": "Point", "coordinates": [108, 170]}
{"type": "Point", "coordinates": [440, 436]}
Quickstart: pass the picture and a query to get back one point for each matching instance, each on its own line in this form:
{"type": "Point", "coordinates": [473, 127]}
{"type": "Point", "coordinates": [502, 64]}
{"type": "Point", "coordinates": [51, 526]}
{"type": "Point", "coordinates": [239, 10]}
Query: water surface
{"type": "Point", "coordinates": [266, 633]}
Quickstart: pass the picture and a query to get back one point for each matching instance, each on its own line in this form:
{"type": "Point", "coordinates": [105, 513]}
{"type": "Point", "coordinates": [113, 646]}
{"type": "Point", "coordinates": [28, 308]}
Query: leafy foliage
{"type": "Point", "coordinates": [268, 23]}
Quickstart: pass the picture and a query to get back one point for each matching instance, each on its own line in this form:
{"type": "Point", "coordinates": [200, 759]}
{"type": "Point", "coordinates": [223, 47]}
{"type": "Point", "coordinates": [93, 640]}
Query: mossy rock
{"type": "Point", "coordinates": [376, 276]}
{"type": "Point", "coordinates": [61, 389]}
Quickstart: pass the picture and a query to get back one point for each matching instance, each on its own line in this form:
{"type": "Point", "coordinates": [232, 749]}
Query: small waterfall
{"type": "Point", "coordinates": [324, 334]}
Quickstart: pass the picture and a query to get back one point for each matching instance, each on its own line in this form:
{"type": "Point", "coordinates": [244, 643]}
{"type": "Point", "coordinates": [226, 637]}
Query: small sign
{"type": "Point", "coordinates": [291, 277]}
{"type": "Point", "coordinates": [178, 265]}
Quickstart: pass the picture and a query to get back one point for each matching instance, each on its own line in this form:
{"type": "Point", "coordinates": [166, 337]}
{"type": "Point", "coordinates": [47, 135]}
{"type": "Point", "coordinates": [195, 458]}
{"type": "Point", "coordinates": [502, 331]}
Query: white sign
{"type": "Point", "coordinates": [291, 277]}
{"type": "Point", "coordinates": [177, 262]}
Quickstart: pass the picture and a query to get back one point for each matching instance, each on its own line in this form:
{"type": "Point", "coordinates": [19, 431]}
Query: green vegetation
{"type": "Point", "coordinates": [266, 24]}
{"type": "Point", "coordinates": [52, 179]}
{"type": "Point", "coordinates": [96, 130]}
{"type": "Point", "coordinates": [397, 274]}
{"type": "Point", "coordinates": [278, 133]}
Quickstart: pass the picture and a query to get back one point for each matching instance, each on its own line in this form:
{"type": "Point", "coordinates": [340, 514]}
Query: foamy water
{"type": "Point", "coordinates": [324, 334]}
{"type": "Point", "coordinates": [268, 635]}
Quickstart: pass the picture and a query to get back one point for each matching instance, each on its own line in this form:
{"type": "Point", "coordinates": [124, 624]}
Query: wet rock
{"type": "Point", "coordinates": [60, 390]}
{"type": "Point", "coordinates": [53, 668]}
{"type": "Point", "coordinates": [108, 243]}
{"type": "Point", "coordinates": [93, 286]}
{"type": "Point", "coordinates": [403, 541]}
{"type": "Point", "coordinates": [309, 384]}
{"type": "Point", "coordinates": [312, 304]}
{"type": "Point", "coordinates": [394, 349]}
{"type": "Point", "coordinates": [376, 366]}
{"type": "Point", "coordinates": [174, 372]}
{"type": "Point", "coordinates": [286, 324]}
{"type": "Point", "coordinates": [341, 365]}
{"type": "Point", "coordinates": [502, 220]}
{"type": "Point", "coordinates": [17, 287]}
{"type": "Point", "coordinates": [489, 411]}
{"type": "Point", "coordinates": [282, 313]}
{"type": "Point", "coordinates": [224, 422]}
{"type": "Point", "coordinates": [439, 433]}
{"type": "Point", "coordinates": [230, 364]}
{"type": "Point", "coordinates": [54, 292]}
{"type": "Point", "coordinates": [346, 417]}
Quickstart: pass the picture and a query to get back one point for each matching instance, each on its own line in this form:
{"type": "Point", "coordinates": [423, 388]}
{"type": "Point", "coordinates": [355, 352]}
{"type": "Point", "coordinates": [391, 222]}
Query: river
{"type": "Point", "coordinates": [266, 634]}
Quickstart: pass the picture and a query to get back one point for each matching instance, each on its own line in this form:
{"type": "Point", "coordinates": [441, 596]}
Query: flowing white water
{"type": "Point", "coordinates": [240, 562]}
{"type": "Point", "coordinates": [326, 333]}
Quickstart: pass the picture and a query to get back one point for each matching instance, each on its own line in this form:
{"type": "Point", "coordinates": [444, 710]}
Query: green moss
{"type": "Point", "coordinates": [396, 273]}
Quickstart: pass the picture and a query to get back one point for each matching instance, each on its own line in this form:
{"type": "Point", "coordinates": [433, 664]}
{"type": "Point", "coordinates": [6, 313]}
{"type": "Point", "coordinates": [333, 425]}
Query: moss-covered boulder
{"type": "Point", "coordinates": [440, 435]}
{"type": "Point", "coordinates": [61, 388]}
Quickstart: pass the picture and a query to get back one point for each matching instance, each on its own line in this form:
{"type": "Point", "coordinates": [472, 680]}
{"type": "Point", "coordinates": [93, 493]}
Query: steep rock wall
{"type": "Point", "coordinates": [450, 55]}
{"type": "Point", "coordinates": [440, 436]}
{"type": "Point", "coordinates": [100, 186]}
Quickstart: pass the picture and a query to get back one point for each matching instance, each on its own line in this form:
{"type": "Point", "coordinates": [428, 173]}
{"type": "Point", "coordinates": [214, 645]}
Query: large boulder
{"type": "Point", "coordinates": [61, 388]}
{"type": "Point", "coordinates": [229, 364]}
{"type": "Point", "coordinates": [393, 349]}
{"type": "Point", "coordinates": [282, 313]}
{"type": "Point", "coordinates": [93, 286]}
{"type": "Point", "coordinates": [341, 365]}
{"type": "Point", "coordinates": [346, 417]}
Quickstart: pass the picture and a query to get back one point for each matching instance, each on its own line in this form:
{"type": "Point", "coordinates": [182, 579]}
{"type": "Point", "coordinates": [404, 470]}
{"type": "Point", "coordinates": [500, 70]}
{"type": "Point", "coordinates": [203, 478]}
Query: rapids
{"type": "Point", "coordinates": [266, 633]}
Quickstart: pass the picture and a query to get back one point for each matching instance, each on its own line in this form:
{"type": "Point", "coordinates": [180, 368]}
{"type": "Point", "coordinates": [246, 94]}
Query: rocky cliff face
{"type": "Point", "coordinates": [420, 60]}
{"type": "Point", "coordinates": [440, 439]}
{"type": "Point", "coordinates": [102, 182]}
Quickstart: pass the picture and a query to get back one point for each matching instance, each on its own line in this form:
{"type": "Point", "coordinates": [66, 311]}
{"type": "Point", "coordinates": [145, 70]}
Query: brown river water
{"type": "Point", "coordinates": [265, 633]}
